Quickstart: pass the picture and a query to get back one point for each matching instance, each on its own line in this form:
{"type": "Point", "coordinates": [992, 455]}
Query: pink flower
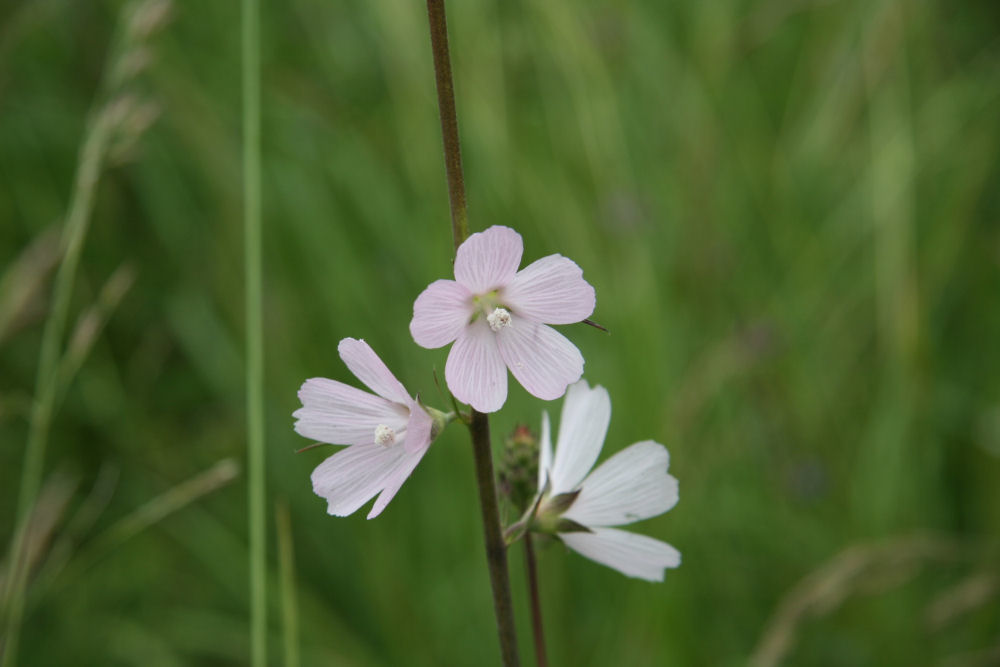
{"type": "Point", "coordinates": [630, 486]}
{"type": "Point", "coordinates": [497, 317]}
{"type": "Point", "coordinates": [387, 432]}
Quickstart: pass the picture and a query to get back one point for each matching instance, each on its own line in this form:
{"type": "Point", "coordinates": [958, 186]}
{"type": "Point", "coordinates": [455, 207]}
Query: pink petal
{"type": "Point", "coordinates": [418, 429]}
{"type": "Point", "coordinates": [583, 425]}
{"type": "Point", "coordinates": [541, 358]}
{"type": "Point", "coordinates": [440, 313]}
{"type": "Point", "coordinates": [489, 259]}
{"type": "Point", "coordinates": [551, 290]}
{"type": "Point", "coordinates": [351, 477]}
{"type": "Point", "coordinates": [339, 414]}
{"type": "Point", "coordinates": [475, 371]}
{"type": "Point", "coordinates": [630, 486]}
{"type": "Point", "coordinates": [629, 553]}
{"type": "Point", "coordinates": [418, 439]}
{"type": "Point", "coordinates": [367, 367]}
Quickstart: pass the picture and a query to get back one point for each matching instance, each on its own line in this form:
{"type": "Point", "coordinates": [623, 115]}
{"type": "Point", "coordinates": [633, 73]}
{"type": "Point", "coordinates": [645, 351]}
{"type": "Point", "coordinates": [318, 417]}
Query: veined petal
{"type": "Point", "coordinates": [541, 358]}
{"type": "Point", "coordinates": [440, 313]}
{"type": "Point", "coordinates": [551, 290]}
{"type": "Point", "coordinates": [418, 429]}
{"type": "Point", "coordinates": [544, 452]}
{"type": "Point", "coordinates": [339, 414]}
{"type": "Point", "coordinates": [630, 486]}
{"type": "Point", "coordinates": [586, 414]}
{"type": "Point", "coordinates": [488, 259]}
{"type": "Point", "coordinates": [351, 477]}
{"type": "Point", "coordinates": [630, 553]}
{"type": "Point", "coordinates": [475, 372]}
{"type": "Point", "coordinates": [367, 367]}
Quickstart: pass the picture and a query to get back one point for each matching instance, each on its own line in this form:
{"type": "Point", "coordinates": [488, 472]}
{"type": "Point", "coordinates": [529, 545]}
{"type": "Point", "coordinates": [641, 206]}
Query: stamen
{"type": "Point", "coordinates": [384, 435]}
{"type": "Point", "coordinates": [499, 319]}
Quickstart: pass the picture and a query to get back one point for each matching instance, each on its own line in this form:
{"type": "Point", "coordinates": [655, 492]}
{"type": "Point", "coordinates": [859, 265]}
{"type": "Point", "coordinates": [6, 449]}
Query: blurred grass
{"type": "Point", "coordinates": [789, 211]}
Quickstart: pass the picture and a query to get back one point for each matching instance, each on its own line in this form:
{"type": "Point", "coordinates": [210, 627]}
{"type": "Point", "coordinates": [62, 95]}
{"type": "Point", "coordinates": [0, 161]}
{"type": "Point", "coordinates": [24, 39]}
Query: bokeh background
{"type": "Point", "coordinates": [789, 211]}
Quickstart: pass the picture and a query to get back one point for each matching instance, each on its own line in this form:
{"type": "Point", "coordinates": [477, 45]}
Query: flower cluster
{"type": "Point", "coordinates": [498, 319]}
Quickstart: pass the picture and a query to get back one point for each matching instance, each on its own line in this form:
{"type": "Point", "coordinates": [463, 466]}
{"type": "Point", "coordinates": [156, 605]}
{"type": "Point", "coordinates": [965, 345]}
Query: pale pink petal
{"type": "Point", "coordinates": [630, 486]}
{"type": "Point", "coordinates": [440, 313]}
{"type": "Point", "coordinates": [489, 259]}
{"type": "Point", "coordinates": [475, 372]}
{"type": "Point", "coordinates": [418, 440]}
{"type": "Point", "coordinates": [339, 414]}
{"type": "Point", "coordinates": [367, 367]}
{"type": "Point", "coordinates": [551, 290]}
{"type": "Point", "coordinates": [544, 453]}
{"type": "Point", "coordinates": [418, 429]}
{"type": "Point", "coordinates": [351, 477]}
{"type": "Point", "coordinates": [541, 358]}
{"type": "Point", "coordinates": [631, 554]}
{"type": "Point", "coordinates": [583, 424]}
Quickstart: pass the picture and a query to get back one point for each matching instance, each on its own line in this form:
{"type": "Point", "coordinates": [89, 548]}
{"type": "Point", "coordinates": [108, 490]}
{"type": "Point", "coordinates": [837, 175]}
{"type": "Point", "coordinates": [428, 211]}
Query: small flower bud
{"type": "Point", "coordinates": [518, 468]}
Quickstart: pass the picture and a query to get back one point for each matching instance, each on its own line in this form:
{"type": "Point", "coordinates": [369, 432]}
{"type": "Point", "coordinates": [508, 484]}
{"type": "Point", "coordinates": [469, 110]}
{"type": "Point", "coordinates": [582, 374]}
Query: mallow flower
{"type": "Point", "coordinates": [581, 508]}
{"type": "Point", "coordinates": [498, 316]}
{"type": "Point", "coordinates": [387, 432]}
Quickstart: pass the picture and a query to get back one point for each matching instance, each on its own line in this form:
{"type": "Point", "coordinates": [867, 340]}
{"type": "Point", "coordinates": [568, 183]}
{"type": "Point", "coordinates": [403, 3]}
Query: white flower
{"type": "Point", "coordinates": [388, 433]}
{"type": "Point", "coordinates": [630, 486]}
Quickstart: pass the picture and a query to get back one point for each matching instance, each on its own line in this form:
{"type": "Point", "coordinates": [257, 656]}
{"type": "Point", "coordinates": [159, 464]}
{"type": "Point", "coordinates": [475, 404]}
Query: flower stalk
{"type": "Point", "coordinates": [496, 549]}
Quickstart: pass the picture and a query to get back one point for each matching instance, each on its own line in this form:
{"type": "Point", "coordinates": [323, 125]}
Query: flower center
{"type": "Point", "coordinates": [498, 319]}
{"type": "Point", "coordinates": [384, 435]}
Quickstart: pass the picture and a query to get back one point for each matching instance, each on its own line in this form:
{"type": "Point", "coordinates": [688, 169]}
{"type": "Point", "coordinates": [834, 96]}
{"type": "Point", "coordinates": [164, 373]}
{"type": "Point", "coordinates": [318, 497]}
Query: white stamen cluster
{"type": "Point", "coordinates": [384, 435]}
{"type": "Point", "coordinates": [498, 319]}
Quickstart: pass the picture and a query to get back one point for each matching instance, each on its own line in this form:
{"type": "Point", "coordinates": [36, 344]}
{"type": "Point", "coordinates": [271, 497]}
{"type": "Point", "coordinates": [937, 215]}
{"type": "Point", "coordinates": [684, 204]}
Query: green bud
{"type": "Point", "coordinates": [518, 468]}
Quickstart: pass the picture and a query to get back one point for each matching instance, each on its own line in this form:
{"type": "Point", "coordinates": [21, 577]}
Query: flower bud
{"type": "Point", "coordinates": [518, 468]}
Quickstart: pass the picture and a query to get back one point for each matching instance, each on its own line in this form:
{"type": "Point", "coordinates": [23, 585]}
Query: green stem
{"type": "Point", "coordinates": [254, 332]}
{"type": "Point", "coordinates": [536, 604]}
{"type": "Point", "coordinates": [496, 549]}
{"type": "Point", "coordinates": [81, 206]}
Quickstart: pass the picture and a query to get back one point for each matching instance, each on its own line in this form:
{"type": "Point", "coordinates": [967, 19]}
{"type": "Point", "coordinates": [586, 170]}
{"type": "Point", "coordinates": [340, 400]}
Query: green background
{"type": "Point", "coordinates": [789, 211]}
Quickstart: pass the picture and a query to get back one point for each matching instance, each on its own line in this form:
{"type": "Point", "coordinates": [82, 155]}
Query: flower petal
{"type": "Point", "coordinates": [586, 414]}
{"type": "Point", "coordinates": [630, 486]}
{"type": "Point", "coordinates": [489, 259]}
{"type": "Point", "coordinates": [418, 440]}
{"type": "Point", "coordinates": [339, 414]}
{"type": "Point", "coordinates": [544, 453]}
{"type": "Point", "coordinates": [630, 553]}
{"type": "Point", "coordinates": [440, 313]}
{"type": "Point", "coordinates": [351, 477]}
{"type": "Point", "coordinates": [551, 290]}
{"type": "Point", "coordinates": [475, 371]}
{"type": "Point", "coordinates": [367, 367]}
{"type": "Point", "coordinates": [418, 429]}
{"type": "Point", "coordinates": [541, 358]}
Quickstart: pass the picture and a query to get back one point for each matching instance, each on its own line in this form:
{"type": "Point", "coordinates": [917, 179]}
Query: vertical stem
{"type": "Point", "coordinates": [496, 549]}
{"type": "Point", "coordinates": [536, 605]}
{"type": "Point", "coordinates": [449, 121]}
{"type": "Point", "coordinates": [81, 206]}
{"type": "Point", "coordinates": [254, 334]}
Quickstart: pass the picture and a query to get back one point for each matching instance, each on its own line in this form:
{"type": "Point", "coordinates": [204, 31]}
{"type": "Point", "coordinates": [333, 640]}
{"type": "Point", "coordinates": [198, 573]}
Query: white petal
{"type": "Point", "coordinates": [630, 486]}
{"type": "Point", "coordinates": [545, 452]}
{"type": "Point", "coordinates": [489, 259]}
{"type": "Point", "coordinates": [440, 313]}
{"type": "Point", "coordinates": [367, 367]}
{"type": "Point", "coordinates": [550, 290]}
{"type": "Point", "coordinates": [351, 477]}
{"type": "Point", "coordinates": [630, 553]}
{"type": "Point", "coordinates": [339, 414]}
{"type": "Point", "coordinates": [586, 414]}
{"type": "Point", "coordinates": [541, 358]}
{"type": "Point", "coordinates": [475, 372]}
